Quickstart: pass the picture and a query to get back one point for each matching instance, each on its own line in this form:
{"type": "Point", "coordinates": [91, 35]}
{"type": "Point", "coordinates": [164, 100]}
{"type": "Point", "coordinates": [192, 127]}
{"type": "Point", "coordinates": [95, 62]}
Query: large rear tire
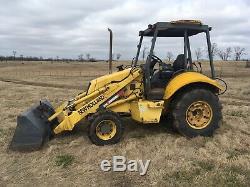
{"type": "Point", "coordinates": [196, 112]}
{"type": "Point", "coordinates": [106, 128]}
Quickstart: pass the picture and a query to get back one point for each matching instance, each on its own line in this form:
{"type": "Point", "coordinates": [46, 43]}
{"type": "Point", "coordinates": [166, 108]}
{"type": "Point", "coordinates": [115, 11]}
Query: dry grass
{"type": "Point", "coordinates": [222, 160]}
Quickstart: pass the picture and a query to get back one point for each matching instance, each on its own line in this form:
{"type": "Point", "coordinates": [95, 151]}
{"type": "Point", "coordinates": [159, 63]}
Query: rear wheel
{"type": "Point", "coordinates": [197, 112]}
{"type": "Point", "coordinates": [106, 128]}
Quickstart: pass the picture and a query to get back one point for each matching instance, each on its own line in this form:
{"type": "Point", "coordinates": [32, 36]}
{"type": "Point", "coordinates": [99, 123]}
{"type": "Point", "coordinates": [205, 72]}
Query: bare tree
{"type": "Point", "coordinates": [169, 56]}
{"type": "Point", "coordinates": [198, 54]}
{"type": "Point", "coordinates": [80, 57]}
{"type": "Point", "coordinates": [214, 49]}
{"type": "Point", "coordinates": [118, 56]}
{"type": "Point", "coordinates": [221, 54]}
{"type": "Point", "coordinates": [87, 56]}
{"type": "Point", "coordinates": [228, 53]}
{"type": "Point", "coordinates": [21, 57]}
{"type": "Point", "coordinates": [225, 54]}
{"type": "Point", "coordinates": [238, 52]}
{"type": "Point", "coordinates": [14, 54]}
{"type": "Point", "coordinates": [144, 53]}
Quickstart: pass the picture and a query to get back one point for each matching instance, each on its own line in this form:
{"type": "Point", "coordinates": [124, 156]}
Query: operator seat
{"type": "Point", "coordinates": [179, 63]}
{"type": "Point", "coordinates": [160, 79]}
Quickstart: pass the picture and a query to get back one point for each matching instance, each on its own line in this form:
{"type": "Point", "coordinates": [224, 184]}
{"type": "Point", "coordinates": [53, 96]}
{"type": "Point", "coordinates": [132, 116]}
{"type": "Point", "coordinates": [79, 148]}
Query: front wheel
{"type": "Point", "coordinates": [106, 128]}
{"type": "Point", "coordinates": [197, 112]}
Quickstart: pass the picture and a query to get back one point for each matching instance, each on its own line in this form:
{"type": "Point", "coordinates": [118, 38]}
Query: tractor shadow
{"type": "Point", "coordinates": [80, 130]}
{"type": "Point", "coordinates": [138, 130]}
{"type": "Point", "coordinates": [133, 129]}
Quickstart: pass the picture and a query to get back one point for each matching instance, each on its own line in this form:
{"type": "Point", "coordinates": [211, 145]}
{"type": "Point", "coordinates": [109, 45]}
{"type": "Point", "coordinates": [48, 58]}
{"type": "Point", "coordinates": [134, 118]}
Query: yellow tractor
{"type": "Point", "coordinates": [189, 97]}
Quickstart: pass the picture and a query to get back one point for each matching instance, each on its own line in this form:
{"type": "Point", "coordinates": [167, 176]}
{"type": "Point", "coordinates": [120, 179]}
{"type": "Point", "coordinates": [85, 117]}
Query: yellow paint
{"type": "Point", "coordinates": [108, 135]}
{"type": "Point", "coordinates": [107, 79]}
{"type": "Point", "coordinates": [195, 22]}
{"type": "Point", "coordinates": [71, 118]}
{"type": "Point", "coordinates": [131, 101]}
{"type": "Point", "coordinates": [199, 115]}
{"type": "Point", "coordinates": [186, 78]}
{"type": "Point", "coordinates": [146, 111]}
{"type": "Point", "coordinates": [124, 107]}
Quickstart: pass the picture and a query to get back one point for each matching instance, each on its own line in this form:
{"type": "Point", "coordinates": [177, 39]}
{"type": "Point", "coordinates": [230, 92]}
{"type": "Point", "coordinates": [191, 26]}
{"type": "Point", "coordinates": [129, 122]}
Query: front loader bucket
{"type": "Point", "coordinates": [33, 128]}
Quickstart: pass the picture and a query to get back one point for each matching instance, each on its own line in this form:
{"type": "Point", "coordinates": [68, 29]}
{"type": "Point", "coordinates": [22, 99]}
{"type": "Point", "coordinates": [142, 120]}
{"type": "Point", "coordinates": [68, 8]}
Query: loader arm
{"type": "Point", "coordinates": [90, 103]}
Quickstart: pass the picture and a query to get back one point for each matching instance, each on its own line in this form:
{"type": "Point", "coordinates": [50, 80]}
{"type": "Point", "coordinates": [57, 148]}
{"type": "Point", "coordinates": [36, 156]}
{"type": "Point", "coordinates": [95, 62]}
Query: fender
{"type": "Point", "coordinates": [185, 79]}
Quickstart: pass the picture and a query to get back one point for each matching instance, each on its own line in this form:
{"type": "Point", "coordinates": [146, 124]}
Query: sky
{"type": "Point", "coordinates": [67, 28]}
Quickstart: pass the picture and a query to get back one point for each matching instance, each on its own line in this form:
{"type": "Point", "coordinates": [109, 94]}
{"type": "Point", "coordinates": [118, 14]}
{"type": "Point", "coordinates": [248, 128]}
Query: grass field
{"type": "Point", "coordinates": [71, 159]}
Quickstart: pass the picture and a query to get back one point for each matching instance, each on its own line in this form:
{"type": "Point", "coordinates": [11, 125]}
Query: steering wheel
{"type": "Point", "coordinates": [154, 61]}
{"type": "Point", "coordinates": [156, 58]}
{"type": "Point", "coordinates": [120, 68]}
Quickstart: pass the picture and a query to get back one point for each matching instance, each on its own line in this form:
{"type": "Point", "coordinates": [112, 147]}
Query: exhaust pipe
{"type": "Point", "coordinates": [110, 49]}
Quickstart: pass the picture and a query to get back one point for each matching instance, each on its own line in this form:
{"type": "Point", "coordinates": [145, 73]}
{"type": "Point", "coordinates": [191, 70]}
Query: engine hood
{"type": "Point", "coordinates": [106, 79]}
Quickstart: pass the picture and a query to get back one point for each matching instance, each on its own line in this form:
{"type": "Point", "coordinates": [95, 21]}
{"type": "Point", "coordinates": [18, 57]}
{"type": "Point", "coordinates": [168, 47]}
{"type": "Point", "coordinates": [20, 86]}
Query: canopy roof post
{"type": "Point", "coordinates": [210, 54]}
{"type": "Point", "coordinates": [189, 54]}
{"type": "Point", "coordinates": [138, 51]}
{"type": "Point", "coordinates": [147, 70]}
{"type": "Point", "coordinates": [185, 45]}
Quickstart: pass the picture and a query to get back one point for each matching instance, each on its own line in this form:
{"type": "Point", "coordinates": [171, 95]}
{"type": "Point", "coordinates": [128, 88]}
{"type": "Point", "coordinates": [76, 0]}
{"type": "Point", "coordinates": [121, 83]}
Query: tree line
{"type": "Point", "coordinates": [81, 58]}
{"type": "Point", "coordinates": [229, 53]}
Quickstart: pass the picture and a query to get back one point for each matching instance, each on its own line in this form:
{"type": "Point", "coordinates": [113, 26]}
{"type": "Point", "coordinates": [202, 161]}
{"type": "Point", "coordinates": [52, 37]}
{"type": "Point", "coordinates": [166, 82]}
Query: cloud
{"type": "Point", "coordinates": [68, 28]}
